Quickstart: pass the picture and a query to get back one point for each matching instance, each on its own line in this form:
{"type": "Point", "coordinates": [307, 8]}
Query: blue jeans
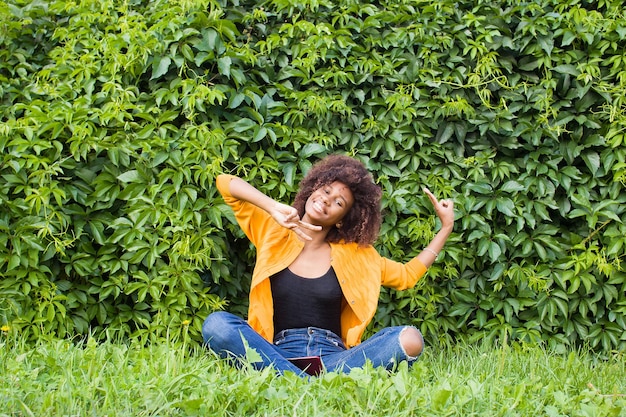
{"type": "Point", "coordinates": [224, 333]}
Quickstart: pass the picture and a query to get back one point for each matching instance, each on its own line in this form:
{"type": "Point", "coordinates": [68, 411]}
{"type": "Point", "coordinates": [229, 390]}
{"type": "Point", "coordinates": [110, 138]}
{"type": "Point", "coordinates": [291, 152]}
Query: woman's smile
{"type": "Point", "coordinates": [319, 206]}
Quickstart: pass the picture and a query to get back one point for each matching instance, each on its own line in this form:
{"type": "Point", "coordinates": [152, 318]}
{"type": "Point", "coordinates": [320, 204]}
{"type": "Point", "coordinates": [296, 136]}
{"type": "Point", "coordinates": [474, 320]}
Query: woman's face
{"type": "Point", "coordinates": [328, 205]}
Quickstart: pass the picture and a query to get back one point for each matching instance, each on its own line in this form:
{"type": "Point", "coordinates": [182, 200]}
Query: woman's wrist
{"type": "Point", "coordinates": [446, 230]}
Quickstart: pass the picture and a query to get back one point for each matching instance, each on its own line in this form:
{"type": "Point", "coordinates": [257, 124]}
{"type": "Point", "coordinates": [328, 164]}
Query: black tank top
{"type": "Point", "coordinates": [306, 302]}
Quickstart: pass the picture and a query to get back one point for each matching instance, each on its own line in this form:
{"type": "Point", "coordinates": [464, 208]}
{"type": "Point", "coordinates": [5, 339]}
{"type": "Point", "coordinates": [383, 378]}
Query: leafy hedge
{"type": "Point", "coordinates": [117, 116]}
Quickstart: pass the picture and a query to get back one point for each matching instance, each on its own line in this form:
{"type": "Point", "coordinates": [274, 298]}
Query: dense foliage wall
{"type": "Point", "coordinates": [117, 116]}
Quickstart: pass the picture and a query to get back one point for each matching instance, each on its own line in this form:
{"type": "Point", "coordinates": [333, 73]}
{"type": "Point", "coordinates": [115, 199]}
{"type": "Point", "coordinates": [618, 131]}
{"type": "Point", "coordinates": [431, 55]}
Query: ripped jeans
{"type": "Point", "coordinates": [224, 333]}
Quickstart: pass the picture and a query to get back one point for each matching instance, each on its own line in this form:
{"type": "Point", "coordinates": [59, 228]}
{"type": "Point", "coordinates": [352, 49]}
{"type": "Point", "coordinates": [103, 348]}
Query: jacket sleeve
{"type": "Point", "coordinates": [253, 220]}
{"type": "Point", "coordinates": [401, 276]}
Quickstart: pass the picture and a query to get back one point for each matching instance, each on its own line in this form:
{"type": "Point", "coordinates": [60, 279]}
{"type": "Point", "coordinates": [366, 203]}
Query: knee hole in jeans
{"type": "Point", "coordinates": [411, 341]}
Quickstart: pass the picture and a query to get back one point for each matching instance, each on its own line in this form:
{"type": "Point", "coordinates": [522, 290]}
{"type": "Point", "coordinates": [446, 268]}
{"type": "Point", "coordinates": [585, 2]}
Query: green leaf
{"type": "Point", "coordinates": [568, 37]}
{"type": "Point", "coordinates": [311, 149]}
{"type": "Point", "coordinates": [441, 397]}
{"type": "Point", "coordinates": [506, 206]}
{"type": "Point", "coordinates": [223, 65]}
{"type": "Point", "coordinates": [512, 186]}
{"type": "Point", "coordinates": [567, 69]}
{"type": "Point", "coordinates": [391, 170]}
{"type": "Point", "coordinates": [211, 41]}
{"type": "Point", "coordinates": [130, 176]}
{"type": "Point", "coordinates": [289, 171]}
{"type": "Point", "coordinates": [592, 160]}
{"type": "Point", "coordinates": [546, 43]}
{"type": "Point", "coordinates": [243, 125]}
{"type": "Point", "coordinates": [160, 66]}
{"type": "Point", "coordinates": [494, 251]}
{"type": "Point", "coordinates": [259, 134]}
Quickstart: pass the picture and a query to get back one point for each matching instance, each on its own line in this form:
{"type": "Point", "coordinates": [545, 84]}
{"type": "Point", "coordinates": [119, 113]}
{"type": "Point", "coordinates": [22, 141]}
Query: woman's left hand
{"type": "Point", "coordinates": [443, 208]}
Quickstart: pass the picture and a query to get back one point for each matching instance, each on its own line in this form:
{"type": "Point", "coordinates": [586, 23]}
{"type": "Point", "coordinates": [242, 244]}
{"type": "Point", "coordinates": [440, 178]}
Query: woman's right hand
{"type": "Point", "coordinates": [288, 217]}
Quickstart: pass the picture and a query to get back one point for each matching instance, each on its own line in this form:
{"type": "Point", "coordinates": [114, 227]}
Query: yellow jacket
{"type": "Point", "coordinates": [360, 270]}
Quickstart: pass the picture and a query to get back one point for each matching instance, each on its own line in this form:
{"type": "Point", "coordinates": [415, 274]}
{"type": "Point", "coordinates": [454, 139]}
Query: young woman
{"type": "Point", "coordinates": [317, 278]}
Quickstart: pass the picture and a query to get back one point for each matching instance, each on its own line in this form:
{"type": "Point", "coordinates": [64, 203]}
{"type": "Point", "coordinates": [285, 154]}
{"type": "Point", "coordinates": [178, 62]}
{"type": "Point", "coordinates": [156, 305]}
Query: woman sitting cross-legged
{"type": "Point", "coordinates": [317, 278]}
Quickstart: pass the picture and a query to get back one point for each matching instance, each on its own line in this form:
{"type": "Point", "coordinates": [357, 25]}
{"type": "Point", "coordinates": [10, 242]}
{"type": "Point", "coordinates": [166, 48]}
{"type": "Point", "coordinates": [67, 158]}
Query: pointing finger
{"type": "Point", "coordinates": [431, 196]}
{"type": "Point", "coordinates": [309, 225]}
{"type": "Point", "coordinates": [302, 234]}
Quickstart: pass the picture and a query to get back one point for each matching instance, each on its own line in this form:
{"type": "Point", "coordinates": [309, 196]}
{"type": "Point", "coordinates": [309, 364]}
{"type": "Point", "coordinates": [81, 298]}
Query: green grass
{"type": "Point", "coordinates": [60, 378]}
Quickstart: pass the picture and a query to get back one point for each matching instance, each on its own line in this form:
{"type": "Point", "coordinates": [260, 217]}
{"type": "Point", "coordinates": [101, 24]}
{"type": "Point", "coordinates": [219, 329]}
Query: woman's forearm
{"type": "Point", "coordinates": [430, 253]}
{"type": "Point", "coordinates": [283, 214]}
{"type": "Point", "coordinates": [242, 190]}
